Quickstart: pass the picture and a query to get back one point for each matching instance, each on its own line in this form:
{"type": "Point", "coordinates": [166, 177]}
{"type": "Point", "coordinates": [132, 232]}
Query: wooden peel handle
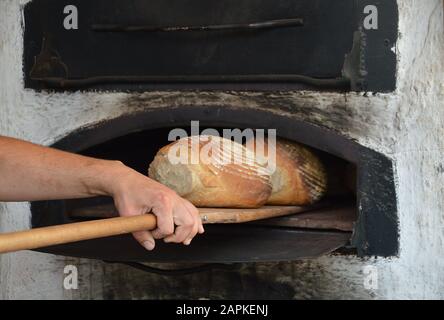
{"type": "Point", "coordinates": [72, 232]}
{"type": "Point", "coordinates": [60, 234]}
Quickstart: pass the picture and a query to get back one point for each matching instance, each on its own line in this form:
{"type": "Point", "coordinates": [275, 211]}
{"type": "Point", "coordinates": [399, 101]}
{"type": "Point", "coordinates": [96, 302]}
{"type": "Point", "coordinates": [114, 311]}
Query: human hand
{"type": "Point", "coordinates": [136, 194]}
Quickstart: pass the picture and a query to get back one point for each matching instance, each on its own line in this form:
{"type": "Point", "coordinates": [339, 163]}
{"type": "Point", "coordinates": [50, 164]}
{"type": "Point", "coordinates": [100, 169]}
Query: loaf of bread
{"type": "Point", "coordinates": [211, 171]}
{"type": "Point", "coordinates": [299, 178]}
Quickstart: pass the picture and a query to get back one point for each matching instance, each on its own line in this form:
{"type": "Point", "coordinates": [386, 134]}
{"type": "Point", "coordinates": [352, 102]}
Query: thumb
{"type": "Point", "coordinates": [145, 238]}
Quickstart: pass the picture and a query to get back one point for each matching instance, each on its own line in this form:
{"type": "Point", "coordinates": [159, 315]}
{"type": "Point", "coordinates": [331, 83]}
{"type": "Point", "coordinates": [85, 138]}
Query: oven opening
{"type": "Point", "coordinates": [357, 214]}
{"type": "Point", "coordinates": [336, 210]}
{"type": "Point", "coordinates": [320, 228]}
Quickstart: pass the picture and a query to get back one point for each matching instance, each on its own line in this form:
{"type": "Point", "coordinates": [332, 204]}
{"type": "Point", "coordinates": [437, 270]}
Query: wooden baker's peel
{"type": "Point", "coordinates": [72, 232]}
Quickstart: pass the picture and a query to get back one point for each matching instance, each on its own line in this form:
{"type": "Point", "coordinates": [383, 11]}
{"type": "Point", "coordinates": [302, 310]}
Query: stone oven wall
{"type": "Point", "coordinates": [406, 125]}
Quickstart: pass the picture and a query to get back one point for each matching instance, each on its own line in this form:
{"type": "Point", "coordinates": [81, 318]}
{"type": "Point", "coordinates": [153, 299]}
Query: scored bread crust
{"type": "Point", "coordinates": [240, 182]}
{"type": "Point", "coordinates": [299, 177]}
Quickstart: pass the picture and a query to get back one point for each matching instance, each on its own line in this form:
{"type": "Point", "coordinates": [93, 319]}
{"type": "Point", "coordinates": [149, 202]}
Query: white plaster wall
{"type": "Point", "coordinates": [406, 125]}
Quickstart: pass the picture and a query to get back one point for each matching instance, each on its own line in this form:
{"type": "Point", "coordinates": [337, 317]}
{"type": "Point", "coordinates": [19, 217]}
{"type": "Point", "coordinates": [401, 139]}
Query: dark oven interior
{"type": "Point", "coordinates": [357, 215]}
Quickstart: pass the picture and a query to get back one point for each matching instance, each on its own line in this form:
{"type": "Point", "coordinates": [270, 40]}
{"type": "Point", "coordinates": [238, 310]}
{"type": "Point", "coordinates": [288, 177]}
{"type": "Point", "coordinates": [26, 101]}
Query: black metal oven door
{"type": "Point", "coordinates": [210, 44]}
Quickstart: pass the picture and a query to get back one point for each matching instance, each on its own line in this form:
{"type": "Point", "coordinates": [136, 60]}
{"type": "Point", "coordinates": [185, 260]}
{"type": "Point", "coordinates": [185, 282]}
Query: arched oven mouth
{"type": "Point", "coordinates": [358, 215]}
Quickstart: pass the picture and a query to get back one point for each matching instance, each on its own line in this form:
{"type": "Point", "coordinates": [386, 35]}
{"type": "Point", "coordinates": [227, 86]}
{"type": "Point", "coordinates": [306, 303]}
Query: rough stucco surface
{"type": "Point", "coordinates": [406, 125]}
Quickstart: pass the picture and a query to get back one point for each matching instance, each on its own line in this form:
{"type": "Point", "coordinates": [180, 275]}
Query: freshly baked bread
{"type": "Point", "coordinates": [211, 171]}
{"type": "Point", "coordinates": [299, 177]}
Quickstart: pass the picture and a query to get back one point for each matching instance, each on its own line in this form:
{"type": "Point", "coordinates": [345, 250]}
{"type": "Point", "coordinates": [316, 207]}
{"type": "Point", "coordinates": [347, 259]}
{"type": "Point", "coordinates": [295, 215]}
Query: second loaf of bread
{"type": "Point", "coordinates": [299, 177]}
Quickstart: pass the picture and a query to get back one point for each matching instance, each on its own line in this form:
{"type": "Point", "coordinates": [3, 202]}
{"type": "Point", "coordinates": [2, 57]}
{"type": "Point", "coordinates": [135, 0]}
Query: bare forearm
{"type": "Point", "coordinates": [30, 172]}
